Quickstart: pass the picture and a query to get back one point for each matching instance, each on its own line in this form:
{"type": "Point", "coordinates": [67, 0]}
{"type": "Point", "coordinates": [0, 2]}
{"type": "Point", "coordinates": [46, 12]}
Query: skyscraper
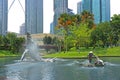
{"type": "Point", "coordinates": [3, 16]}
{"type": "Point", "coordinates": [22, 29]}
{"type": "Point", "coordinates": [79, 7]}
{"type": "Point", "coordinates": [51, 28]}
{"type": "Point", "coordinates": [60, 6]}
{"type": "Point", "coordinates": [87, 5]}
{"type": "Point", "coordinates": [100, 9]}
{"type": "Point", "coordinates": [105, 4]}
{"type": "Point", "coordinates": [34, 16]}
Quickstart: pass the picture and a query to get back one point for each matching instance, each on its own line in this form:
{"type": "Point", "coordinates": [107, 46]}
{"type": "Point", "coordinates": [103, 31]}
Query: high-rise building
{"type": "Point", "coordinates": [51, 28]}
{"type": "Point", "coordinates": [87, 5]}
{"type": "Point", "coordinates": [22, 29]}
{"type": "Point", "coordinates": [79, 7]}
{"type": "Point", "coordinates": [3, 16]}
{"type": "Point", "coordinates": [60, 6]}
{"type": "Point", "coordinates": [100, 9]}
{"type": "Point", "coordinates": [105, 4]}
{"type": "Point", "coordinates": [34, 16]}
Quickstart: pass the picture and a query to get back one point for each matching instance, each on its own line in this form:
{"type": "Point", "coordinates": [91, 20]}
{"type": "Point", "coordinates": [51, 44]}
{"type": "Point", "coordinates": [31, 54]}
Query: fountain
{"type": "Point", "coordinates": [96, 63]}
{"type": "Point", "coordinates": [23, 55]}
{"type": "Point", "coordinates": [32, 52]}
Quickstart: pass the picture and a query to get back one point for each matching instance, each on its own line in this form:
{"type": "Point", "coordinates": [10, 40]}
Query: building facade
{"type": "Point", "coordinates": [60, 6]}
{"type": "Point", "coordinates": [3, 16]}
{"type": "Point", "coordinates": [87, 5]}
{"type": "Point", "coordinates": [51, 28]}
{"type": "Point", "coordinates": [34, 16]}
{"type": "Point", "coordinates": [100, 9]}
{"type": "Point", "coordinates": [79, 7]}
{"type": "Point", "coordinates": [22, 29]}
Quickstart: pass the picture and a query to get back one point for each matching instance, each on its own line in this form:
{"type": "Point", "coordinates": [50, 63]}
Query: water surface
{"type": "Point", "coordinates": [61, 69]}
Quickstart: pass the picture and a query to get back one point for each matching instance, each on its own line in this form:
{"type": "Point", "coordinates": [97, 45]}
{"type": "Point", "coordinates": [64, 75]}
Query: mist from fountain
{"type": "Point", "coordinates": [23, 55]}
{"type": "Point", "coordinates": [31, 51]}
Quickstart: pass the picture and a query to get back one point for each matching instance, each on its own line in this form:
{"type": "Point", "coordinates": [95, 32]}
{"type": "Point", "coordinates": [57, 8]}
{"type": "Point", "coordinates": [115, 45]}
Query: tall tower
{"type": "Point", "coordinates": [60, 6]}
{"type": "Point", "coordinates": [87, 5]}
{"type": "Point", "coordinates": [100, 9]}
{"type": "Point", "coordinates": [79, 7]}
{"type": "Point", "coordinates": [34, 16]}
{"type": "Point", "coordinates": [3, 16]}
{"type": "Point", "coordinates": [105, 5]}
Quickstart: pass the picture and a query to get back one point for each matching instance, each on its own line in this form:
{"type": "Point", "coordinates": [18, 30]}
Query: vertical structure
{"type": "Point", "coordinates": [79, 7]}
{"type": "Point", "coordinates": [96, 10]}
{"type": "Point", "coordinates": [51, 28]}
{"type": "Point", "coordinates": [105, 8]}
{"type": "Point", "coordinates": [22, 29]}
{"type": "Point", "coordinates": [3, 16]}
{"type": "Point", "coordinates": [34, 16]}
{"type": "Point", "coordinates": [60, 6]}
{"type": "Point", "coordinates": [87, 5]}
{"type": "Point", "coordinates": [100, 9]}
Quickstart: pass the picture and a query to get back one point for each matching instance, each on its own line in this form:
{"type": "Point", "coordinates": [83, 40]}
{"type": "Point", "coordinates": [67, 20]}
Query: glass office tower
{"type": "Point", "coordinates": [34, 16]}
{"type": "Point", "coordinates": [3, 16]}
{"type": "Point", "coordinates": [100, 9]}
{"type": "Point", "coordinates": [87, 5]}
{"type": "Point", "coordinates": [79, 7]}
{"type": "Point", "coordinates": [60, 6]}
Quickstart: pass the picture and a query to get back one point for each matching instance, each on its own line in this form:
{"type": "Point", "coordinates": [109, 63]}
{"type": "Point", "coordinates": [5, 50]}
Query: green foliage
{"type": "Point", "coordinates": [84, 52]}
{"type": "Point", "coordinates": [80, 31]}
{"type": "Point", "coordinates": [115, 25]}
{"type": "Point", "coordinates": [87, 18]}
{"type": "Point", "coordinates": [47, 40]}
{"type": "Point", "coordinates": [81, 35]}
{"type": "Point", "coordinates": [76, 29]}
{"type": "Point", "coordinates": [103, 35]}
{"type": "Point", "coordinates": [11, 42]}
{"type": "Point", "coordinates": [4, 53]}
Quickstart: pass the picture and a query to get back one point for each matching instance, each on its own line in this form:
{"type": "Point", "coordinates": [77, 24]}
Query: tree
{"type": "Point", "coordinates": [102, 35]}
{"type": "Point", "coordinates": [87, 18]}
{"type": "Point", "coordinates": [12, 42]}
{"type": "Point", "coordinates": [81, 35]}
{"type": "Point", "coordinates": [64, 22]}
{"type": "Point", "coordinates": [6, 42]}
{"type": "Point", "coordinates": [47, 40]}
{"type": "Point", "coordinates": [115, 25]}
{"type": "Point", "coordinates": [17, 41]}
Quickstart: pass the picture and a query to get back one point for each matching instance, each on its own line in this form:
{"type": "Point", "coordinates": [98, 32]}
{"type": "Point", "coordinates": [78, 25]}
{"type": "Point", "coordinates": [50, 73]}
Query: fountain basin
{"type": "Point", "coordinates": [61, 69]}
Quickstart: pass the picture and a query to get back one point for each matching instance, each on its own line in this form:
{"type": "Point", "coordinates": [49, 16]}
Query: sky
{"type": "Point", "coordinates": [16, 16]}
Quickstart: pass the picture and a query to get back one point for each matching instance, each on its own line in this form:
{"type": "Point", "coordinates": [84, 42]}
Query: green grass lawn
{"type": "Point", "coordinates": [4, 53]}
{"type": "Point", "coordinates": [115, 51]}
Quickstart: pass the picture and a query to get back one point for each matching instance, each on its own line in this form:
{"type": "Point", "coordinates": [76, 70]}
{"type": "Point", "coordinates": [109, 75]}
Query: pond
{"type": "Point", "coordinates": [61, 69]}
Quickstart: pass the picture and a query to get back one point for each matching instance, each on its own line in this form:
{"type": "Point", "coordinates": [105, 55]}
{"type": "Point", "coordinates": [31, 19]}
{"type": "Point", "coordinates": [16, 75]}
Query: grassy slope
{"type": "Point", "coordinates": [84, 52]}
{"type": "Point", "coordinates": [6, 53]}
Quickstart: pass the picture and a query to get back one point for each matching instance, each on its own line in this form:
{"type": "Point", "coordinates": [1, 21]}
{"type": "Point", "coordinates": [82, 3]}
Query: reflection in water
{"type": "Point", "coordinates": [61, 70]}
{"type": "Point", "coordinates": [30, 71]}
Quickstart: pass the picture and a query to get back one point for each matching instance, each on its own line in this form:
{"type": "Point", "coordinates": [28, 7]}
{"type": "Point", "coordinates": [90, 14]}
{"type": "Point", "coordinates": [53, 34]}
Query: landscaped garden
{"type": "Point", "coordinates": [101, 52]}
